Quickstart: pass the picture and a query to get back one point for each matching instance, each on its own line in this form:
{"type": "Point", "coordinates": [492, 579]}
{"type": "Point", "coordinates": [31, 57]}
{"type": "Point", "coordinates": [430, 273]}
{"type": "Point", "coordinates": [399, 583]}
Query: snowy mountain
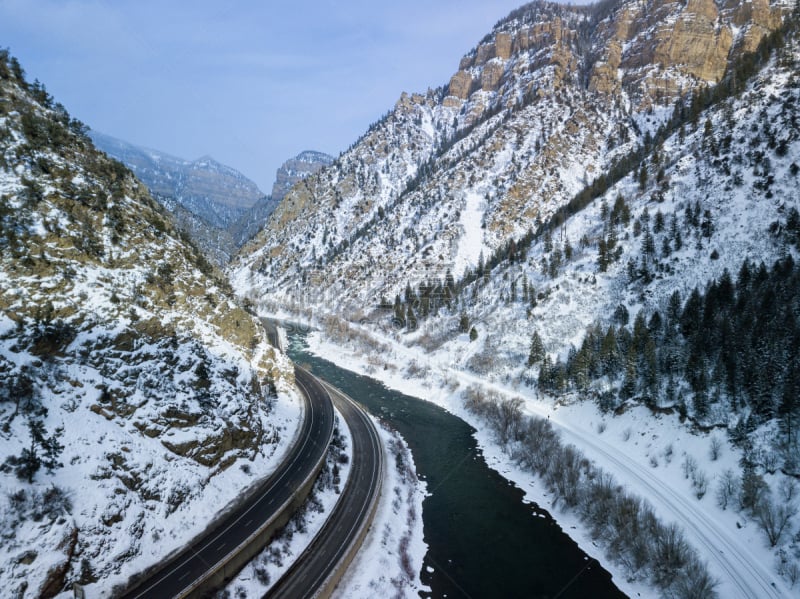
{"type": "Point", "coordinates": [296, 169]}
{"type": "Point", "coordinates": [214, 192]}
{"type": "Point", "coordinates": [290, 173]}
{"type": "Point", "coordinates": [545, 104]}
{"type": "Point", "coordinates": [136, 396]}
{"type": "Point", "coordinates": [582, 213]}
{"type": "Point", "coordinates": [215, 205]}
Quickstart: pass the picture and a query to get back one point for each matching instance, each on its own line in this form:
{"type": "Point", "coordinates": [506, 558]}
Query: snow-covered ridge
{"type": "Point", "coordinates": [212, 190]}
{"type": "Point", "coordinates": [538, 110]}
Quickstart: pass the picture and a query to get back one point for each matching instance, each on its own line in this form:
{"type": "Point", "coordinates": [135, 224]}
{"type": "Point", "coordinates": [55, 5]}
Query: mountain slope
{"type": "Point", "coordinates": [289, 174]}
{"type": "Point", "coordinates": [543, 106]}
{"type": "Point", "coordinates": [215, 205]}
{"type": "Point", "coordinates": [136, 396]}
{"type": "Point", "coordinates": [531, 223]}
{"type": "Point", "coordinates": [216, 193]}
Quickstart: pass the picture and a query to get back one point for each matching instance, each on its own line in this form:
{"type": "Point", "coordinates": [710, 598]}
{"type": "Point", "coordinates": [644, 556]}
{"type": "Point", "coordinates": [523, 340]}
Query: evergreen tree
{"type": "Point", "coordinates": [463, 323]}
{"type": "Point", "coordinates": [537, 352]}
{"type": "Point", "coordinates": [399, 313]}
{"type": "Point", "coordinates": [602, 255]}
{"type": "Point", "coordinates": [51, 450]}
{"type": "Point", "coordinates": [44, 451]}
{"type": "Point", "coordinates": [411, 319]}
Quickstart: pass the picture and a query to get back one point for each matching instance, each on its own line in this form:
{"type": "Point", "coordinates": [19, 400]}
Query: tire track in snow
{"type": "Point", "coordinates": [732, 558]}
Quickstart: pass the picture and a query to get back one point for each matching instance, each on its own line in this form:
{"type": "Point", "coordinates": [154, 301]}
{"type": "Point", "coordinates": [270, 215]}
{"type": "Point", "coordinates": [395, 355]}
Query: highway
{"type": "Point", "coordinates": [187, 574]}
{"type": "Point", "coordinates": [330, 552]}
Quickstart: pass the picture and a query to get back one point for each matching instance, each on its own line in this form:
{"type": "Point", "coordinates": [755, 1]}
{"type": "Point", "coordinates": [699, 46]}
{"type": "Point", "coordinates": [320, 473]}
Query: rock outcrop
{"type": "Point", "coordinates": [296, 169]}
{"type": "Point", "coordinates": [540, 107]}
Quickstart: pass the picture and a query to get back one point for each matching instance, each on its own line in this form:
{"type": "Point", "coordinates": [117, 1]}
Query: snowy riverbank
{"type": "Point", "coordinates": [648, 455]}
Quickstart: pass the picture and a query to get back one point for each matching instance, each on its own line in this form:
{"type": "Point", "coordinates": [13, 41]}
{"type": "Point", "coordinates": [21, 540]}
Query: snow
{"type": "Point", "coordinates": [377, 570]}
{"type": "Point", "coordinates": [735, 549]}
{"type": "Point", "coordinates": [121, 532]}
{"type": "Point", "coordinates": [145, 467]}
{"type": "Point", "coordinates": [418, 237]}
{"type": "Point", "coordinates": [470, 245]}
{"type": "Point", "coordinates": [266, 568]}
{"type": "Point", "coordinates": [396, 529]}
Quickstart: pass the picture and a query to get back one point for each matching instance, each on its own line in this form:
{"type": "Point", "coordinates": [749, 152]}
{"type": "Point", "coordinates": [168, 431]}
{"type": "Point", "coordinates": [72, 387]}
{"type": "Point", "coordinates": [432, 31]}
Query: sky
{"type": "Point", "coordinates": [251, 83]}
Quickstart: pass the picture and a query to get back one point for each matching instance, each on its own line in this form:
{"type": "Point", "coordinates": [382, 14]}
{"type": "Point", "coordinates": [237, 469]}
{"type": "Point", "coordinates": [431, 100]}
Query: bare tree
{"type": "Point", "coordinates": [509, 419]}
{"type": "Point", "coordinates": [696, 582]}
{"type": "Point", "coordinates": [700, 483]}
{"type": "Point", "coordinates": [670, 554]}
{"type": "Point", "coordinates": [688, 466]}
{"type": "Point", "coordinates": [774, 518]}
{"type": "Point", "coordinates": [727, 488]}
{"type": "Point", "coordinates": [716, 448]}
{"type": "Point", "coordinates": [788, 488]}
{"type": "Point", "coordinates": [752, 490]}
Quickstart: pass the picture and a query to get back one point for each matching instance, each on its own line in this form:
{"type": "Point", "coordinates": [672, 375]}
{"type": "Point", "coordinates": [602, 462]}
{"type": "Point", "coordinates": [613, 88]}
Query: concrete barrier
{"type": "Point", "coordinates": [334, 578]}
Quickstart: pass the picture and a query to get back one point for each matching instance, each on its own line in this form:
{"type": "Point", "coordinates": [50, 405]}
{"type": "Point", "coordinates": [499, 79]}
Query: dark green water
{"type": "Point", "coordinates": [484, 540]}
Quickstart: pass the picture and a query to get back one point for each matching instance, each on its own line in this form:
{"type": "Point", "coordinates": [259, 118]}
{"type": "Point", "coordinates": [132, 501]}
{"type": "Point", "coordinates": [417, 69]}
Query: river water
{"type": "Point", "coordinates": [484, 539]}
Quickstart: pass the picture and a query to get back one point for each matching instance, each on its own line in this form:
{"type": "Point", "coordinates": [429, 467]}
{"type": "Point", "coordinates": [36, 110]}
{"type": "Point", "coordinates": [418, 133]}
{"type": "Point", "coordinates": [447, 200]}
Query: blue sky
{"type": "Point", "coordinates": [250, 83]}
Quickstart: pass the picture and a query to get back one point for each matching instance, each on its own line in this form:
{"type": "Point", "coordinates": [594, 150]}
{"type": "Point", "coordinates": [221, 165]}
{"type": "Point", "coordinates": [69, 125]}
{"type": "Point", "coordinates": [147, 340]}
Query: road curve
{"type": "Point", "coordinates": [314, 572]}
{"type": "Point", "coordinates": [188, 571]}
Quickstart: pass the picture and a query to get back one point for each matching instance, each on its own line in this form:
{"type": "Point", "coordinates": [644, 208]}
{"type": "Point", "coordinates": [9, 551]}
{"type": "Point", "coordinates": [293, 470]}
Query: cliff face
{"type": "Point", "coordinates": [543, 105]}
{"type": "Point", "coordinates": [652, 50]}
{"type": "Point", "coordinates": [296, 169]}
{"type": "Point", "coordinates": [657, 50]}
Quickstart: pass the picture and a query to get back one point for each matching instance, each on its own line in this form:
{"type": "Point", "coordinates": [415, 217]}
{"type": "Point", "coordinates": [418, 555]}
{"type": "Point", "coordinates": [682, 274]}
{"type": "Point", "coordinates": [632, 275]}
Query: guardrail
{"type": "Point", "coordinates": [335, 577]}
{"type": "Point", "coordinates": [236, 559]}
{"type": "Point", "coordinates": [226, 568]}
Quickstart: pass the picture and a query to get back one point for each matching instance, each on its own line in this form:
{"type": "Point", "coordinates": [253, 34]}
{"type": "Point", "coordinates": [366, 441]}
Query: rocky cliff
{"type": "Point", "coordinates": [291, 172]}
{"type": "Point", "coordinates": [297, 169]}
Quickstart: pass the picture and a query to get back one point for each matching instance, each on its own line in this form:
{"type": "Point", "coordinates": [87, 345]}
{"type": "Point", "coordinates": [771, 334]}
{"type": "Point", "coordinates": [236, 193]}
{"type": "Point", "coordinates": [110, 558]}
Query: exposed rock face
{"type": "Point", "coordinates": [668, 45]}
{"type": "Point", "coordinates": [296, 169]}
{"type": "Point", "coordinates": [461, 85]}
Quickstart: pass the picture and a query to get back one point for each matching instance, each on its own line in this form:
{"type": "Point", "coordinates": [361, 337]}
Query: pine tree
{"type": "Point", "coordinates": [399, 313]}
{"type": "Point", "coordinates": [602, 255]}
{"type": "Point", "coordinates": [27, 464]}
{"type": "Point", "coordinates": [658, 225]}
{"type": "Point", "coordinates": [463, 322]}
{"type": "Point", "coordinates": [51, 449]}
{"type": "Point", "coordinates": [411, 319]}
{"type": "Point", "coordinates": [537, 352]}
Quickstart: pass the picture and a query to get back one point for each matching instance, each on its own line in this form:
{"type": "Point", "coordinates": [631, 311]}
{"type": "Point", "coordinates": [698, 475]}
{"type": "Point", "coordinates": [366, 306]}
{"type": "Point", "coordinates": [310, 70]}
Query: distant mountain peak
{"type": "Point", "coordinates": [297, 169]}
{"type": "Point", "coordinates": [206, 187]}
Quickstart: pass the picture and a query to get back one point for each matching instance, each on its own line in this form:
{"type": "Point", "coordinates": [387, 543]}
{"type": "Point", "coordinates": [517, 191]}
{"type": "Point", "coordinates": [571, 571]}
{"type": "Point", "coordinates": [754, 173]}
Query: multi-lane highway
{"type": "Point", "coordinates": [239, 533]}
{"type": "Point", "coordinates": [317, 569]}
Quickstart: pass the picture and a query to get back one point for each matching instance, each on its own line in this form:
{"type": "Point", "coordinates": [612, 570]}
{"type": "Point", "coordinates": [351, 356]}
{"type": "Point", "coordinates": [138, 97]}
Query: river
{"type": "Point", "coordinates": [484, 539]}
